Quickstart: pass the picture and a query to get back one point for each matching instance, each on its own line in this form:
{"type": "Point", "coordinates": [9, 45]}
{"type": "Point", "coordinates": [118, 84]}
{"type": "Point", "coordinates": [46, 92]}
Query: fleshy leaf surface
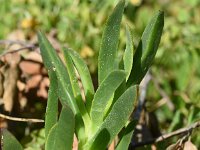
{"type": "Point", "coordinates": [86, 79]}
{"type": "Point", "coordinates": [62, 133]}
{"type": "Point", "coordinates": [71, 57]}
{"type": "Point", "coordinates": [109, 43]}
{"type": "Point", "coordinates": [52, 62]}
{"type": "Point", "coordinates": [129, 52]}
{"type": "Point", "coordinates": [115, 120]}
{"type": "Point", "coordinates": [51, 115]}
{"type": "Point", "coordinates": [147, 48]}
{"type": "Point", "coordinates": [103, 94]}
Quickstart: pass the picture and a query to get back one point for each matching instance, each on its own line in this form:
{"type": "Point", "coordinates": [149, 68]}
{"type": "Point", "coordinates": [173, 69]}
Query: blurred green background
{"type": "Point", "coordinates": [79, 25]}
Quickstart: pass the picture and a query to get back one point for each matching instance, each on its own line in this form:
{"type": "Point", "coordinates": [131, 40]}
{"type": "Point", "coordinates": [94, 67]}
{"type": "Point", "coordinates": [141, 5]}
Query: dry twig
{"type": "Point", "coordinates": [184, 131]}
{"type": "Point", "coordinates": [31, 47]}
{"type": "Point", "coordinates": [21, 119]}
{"type": "Point", "coordinates": [12, 42]}
{"type": "Point", "coordinates": [24, 46]}
{"type": "Point", "coordinates": [163, 93]}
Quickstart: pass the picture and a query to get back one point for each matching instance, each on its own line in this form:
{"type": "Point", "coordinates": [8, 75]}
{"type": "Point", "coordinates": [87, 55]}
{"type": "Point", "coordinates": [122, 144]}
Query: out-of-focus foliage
{"type": "Point", "coordinates": [35, 141]}
{"type": "Point", "coordinates": [176, 65]}
{"type": "Point", "coordinates": [76, 22]}
{"type": "Point", "coordinates": [79, 22]}
{"type": "Point", "coordinates": [177, 60]}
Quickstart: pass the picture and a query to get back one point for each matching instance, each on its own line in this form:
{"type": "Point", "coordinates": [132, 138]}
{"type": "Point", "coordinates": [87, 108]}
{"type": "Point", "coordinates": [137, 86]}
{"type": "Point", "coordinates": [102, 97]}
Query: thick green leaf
{"type": "Point", "coordinates": [61, 135]}
{"type": "Point", "coordinates": [50, 141]}
{"type": "Point", "coordinates": [74, 82]}
{"type": "Point", "coordinates": [85, 77]}
{"type": "Point", "coordinates": [120, 90]}
{"type": "Point", "coordinates": [52, 103]}
{"type": "Point", "coordinates": [103, 94]}
{"type": "Point", "coordinates": [71, 71]}
{"type": "Point", "coordinates": [109, 44]}
{"type": "Point", "coordinates": [115, 120]}
{"type": "Point", "coordinates": [129, 52]}
{"type": "Point", "coordinates": [80, 128]}
{"type": "Point", "coordinates": [127, 136]}
{"type": "Point", "coordinates": [65, 93]}
{"type": "Point", "coordinates": [147, 49]}
{"type": "Point", "coordinates": [53, 62]}
{"type": "Point", "coordinates": [10, 142]}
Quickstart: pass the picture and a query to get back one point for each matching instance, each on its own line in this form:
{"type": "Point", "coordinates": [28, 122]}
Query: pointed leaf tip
{"type": "Point", "coordinates": [109, 43]}
{"type": "Point", "coordinates": [147, 48]}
